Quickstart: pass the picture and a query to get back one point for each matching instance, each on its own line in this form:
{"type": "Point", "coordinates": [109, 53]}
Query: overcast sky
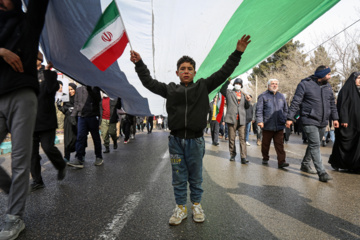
{"type": "Point", "coordinates": [343, 14]}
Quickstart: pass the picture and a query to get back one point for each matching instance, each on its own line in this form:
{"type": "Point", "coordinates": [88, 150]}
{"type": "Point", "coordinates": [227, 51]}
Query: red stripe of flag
{"type": "Point", "coordinates": [108, 57]}
{"type": "Point", "coordinates": [221, 110]}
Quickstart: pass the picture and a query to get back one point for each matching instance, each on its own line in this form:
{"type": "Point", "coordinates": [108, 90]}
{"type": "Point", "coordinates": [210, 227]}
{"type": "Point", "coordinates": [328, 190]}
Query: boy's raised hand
{"type": "Point", "coordinates": [134, 56]}
{"type": "Point", "coordinates": [242, 43]}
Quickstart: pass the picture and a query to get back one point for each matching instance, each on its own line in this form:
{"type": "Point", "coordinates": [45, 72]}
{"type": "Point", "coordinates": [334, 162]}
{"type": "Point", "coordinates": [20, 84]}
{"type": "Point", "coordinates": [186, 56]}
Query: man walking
{"type": "Point", "coordinates": [45, 126]}
{"type": "Point", "coordinates": [316, 99]}
{"type": "Point", "coordinates": [235, 117]}
{"type": "Point", "coordinates": [109, 118]}
{"type": "Point", "coordinates": [86, 109]}
{"type": "Point", "coordinates": [214, 125]}
{"type": "Point", "coordinates": [19, 40]}
{"type": "Point", "coordinates": [271, 112]}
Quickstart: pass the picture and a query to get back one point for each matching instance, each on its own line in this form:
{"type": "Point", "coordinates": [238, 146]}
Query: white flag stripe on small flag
{"type": "Point", "coordinates": [108, 39]}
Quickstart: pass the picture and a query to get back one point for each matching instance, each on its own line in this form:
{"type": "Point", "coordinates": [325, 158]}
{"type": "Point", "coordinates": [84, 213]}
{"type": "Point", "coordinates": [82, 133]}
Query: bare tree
{"type": "Point", "coordinates": [345, 53]}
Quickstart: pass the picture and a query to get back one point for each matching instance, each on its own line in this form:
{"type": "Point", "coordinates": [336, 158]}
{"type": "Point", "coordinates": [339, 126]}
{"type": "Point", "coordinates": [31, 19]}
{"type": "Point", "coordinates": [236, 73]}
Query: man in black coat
{"type": "Point", "coordinates": [87, 112]}
{"type": "Point", "coordinates": [19, 42]}
{"type": "Point", "coordinates": [45, 127]}
{"type": "Point", "coordinates": [315, 98]}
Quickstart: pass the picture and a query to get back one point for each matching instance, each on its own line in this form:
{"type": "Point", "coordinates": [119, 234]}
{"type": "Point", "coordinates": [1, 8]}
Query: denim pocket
{"type": "Point", "coordinates": [199, 140]}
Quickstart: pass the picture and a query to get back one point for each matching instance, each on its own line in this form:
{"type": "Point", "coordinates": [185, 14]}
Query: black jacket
{"type": "Point", "coordinates": [24, 41]}
{"type": "Point", "coordinates": [316, 101]}
{"type": "Point", "coordinates": [87, 102]}
{"type": "Point", "coordinates": [187, 107]}
{"type": "Point", "coordinates": [46, 112]}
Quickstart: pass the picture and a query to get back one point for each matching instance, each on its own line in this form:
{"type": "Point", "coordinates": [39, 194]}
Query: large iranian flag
{"type": "Point", "coordinates": [108, 40]}
{"type": "Point", "coordinates": [162, 31]}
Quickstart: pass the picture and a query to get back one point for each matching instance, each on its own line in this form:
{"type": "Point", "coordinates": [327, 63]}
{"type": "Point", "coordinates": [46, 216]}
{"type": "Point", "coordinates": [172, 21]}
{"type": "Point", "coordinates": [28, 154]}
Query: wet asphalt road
{"type": "Point", "coordinates": [131, 197]}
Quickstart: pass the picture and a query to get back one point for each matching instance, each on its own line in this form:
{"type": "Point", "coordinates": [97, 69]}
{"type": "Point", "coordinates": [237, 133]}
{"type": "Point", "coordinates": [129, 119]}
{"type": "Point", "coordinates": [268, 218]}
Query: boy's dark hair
{"type": "Point", "coordinates": [185, 59]}
{"type": "Point", "coordinates": [319, 68]}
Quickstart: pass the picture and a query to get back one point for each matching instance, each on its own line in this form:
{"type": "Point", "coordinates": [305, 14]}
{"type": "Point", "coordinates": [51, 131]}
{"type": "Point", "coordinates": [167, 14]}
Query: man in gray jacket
{"type": "Point", "coordinates": [236, 116]}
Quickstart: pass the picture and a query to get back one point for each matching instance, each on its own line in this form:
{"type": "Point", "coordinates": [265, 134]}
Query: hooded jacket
{"type": "Point", "coordinates": [188, 106]}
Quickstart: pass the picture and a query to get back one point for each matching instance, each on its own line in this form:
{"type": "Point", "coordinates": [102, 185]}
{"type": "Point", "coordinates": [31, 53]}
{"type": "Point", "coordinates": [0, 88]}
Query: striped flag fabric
{"type": "Point", "coordinates": [157, 30]}
{"type": "Point", "coordinates": [220, 107]}
{"type": "Point", "coordinates": [108, 40]}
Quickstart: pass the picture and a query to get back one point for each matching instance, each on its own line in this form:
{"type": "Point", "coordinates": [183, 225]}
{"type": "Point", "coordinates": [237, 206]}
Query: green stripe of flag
{"type": "Point", "coordinates": [270, 24]}
{"type": "Point", "coordinates": [110, 14]}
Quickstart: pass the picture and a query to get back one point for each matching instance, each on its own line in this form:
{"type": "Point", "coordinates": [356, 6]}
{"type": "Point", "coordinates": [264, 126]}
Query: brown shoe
{"type": "Point", "coordinates": [258, 142]}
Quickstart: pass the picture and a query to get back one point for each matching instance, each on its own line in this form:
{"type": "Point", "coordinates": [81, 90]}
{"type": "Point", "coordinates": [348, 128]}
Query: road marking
{"type": "Point", "coordinates": [114, 228]}
{"type": "Point", "coordinates": [161, 165]}
{"type": "Point", "coordinates": [294, 153]}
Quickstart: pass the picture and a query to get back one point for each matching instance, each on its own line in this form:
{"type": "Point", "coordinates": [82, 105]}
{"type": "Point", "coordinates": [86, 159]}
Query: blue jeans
{"type": "Point", "coordinates": [247, 131]}
{"type": "Point", "coordinates": [186, 156]}
{"type": "Point", "coordinates": [85, 125]}
{"type": "Point", "coordinates": [332, 135]}
{"type": "Point", "coordinates": [314, 136]}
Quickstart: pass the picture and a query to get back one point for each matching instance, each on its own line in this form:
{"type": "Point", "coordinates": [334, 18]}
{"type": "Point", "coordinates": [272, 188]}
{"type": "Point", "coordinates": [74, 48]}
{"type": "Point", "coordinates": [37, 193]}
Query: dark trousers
{"type": "Point", "coordinates": [127, 129]}
{"type": "Point", "coordinates": [214, 125]}
{"type": "Point", "coordinates": [149, 125]}
{"type": "Point", "coordinates": [278, 137]}
{"type": "Point", "coordinates": [85, 125]}
{"type": "Point", "coordinates": [47, 140]}
{"type": "Point", "coordinates": [5, 181]}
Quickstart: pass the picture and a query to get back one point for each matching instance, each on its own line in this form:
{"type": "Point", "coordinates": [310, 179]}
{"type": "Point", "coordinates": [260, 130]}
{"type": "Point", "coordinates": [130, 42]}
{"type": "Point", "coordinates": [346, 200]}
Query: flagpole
{"type": "Point", "coordinates": [123, 24]}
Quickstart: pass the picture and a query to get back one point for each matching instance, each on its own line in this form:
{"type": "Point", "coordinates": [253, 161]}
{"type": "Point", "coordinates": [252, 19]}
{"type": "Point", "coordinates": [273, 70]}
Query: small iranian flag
{"type": "Point", "coordinates": [108, 40]}
{"type": "Point", "coordinates": [220, 108]}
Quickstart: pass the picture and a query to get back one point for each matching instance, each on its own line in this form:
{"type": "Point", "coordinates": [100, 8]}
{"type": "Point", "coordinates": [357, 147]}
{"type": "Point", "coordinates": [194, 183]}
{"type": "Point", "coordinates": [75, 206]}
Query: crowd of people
{"type": "Point", "coordinates": [28, 112]}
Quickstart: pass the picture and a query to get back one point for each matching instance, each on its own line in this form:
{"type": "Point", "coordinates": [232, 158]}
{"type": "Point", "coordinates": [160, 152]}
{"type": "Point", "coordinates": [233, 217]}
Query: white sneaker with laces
{"type": "Point", "coordinates": [198, 213]}
{"type": "Point", "coordinates": [179, 214]}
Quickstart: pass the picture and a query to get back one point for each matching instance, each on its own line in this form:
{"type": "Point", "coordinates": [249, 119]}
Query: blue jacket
{"type": "Point", "coordinates": [316, 101]}
{"type": "Point", "coordinates": [271, 109]}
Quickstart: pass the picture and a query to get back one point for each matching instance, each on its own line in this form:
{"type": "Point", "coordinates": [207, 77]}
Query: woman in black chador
{"type": "Point", "coordinates": [70, 130]}
{"type": "Point", "coordinates": [346, 150]}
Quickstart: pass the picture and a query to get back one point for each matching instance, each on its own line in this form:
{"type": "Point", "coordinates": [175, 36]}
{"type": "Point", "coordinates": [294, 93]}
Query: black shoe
{"type": "Point", "coordinates": [265, 162]}
{"type": "Point", "coordinates": [115, 145]}
{"type": "Point", "coordinates": [307, 169]}
{"type": "Point", "coordinates": [324, 177]}
{"type": "Point", "coordinates": [244, 161]}
{"type": "Point", "coordinates": [284, 164]}
{"type": "Point", "coordinates": [35, 186]}
{"type": "Point", "coordinates": [215, 144]}
{"type": "Point", "coordinates": [61, 174]}
{"type": "Point", "coordinates": [107, 150]}
{"type": "Point", "coordinates": [323, 143]}
{"type": "Point", "coordinates": [232, 158]}
{"type": "Point", "coordinates": [304, 141]}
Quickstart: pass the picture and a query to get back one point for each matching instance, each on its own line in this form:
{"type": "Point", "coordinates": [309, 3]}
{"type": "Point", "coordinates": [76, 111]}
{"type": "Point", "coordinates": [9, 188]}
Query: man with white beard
{"type": "Point", "coordinates": [271, 111]}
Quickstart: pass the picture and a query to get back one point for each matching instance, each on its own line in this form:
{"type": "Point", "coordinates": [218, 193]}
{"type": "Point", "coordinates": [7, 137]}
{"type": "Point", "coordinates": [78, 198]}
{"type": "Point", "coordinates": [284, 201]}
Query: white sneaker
{"type": "Point", "coordinates": [247, 144]}
{"type": "Point", "coordinates": [178, 215]}
{"type": "Point", "coordinates": [198, 213]}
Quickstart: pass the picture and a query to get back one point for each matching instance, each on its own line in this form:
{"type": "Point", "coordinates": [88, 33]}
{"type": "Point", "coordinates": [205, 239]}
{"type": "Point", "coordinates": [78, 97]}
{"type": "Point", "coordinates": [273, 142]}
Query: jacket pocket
{"type": "Point", "coordinates": [314, 115]}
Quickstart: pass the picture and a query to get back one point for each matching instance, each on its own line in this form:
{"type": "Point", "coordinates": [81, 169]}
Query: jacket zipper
{"type": "Point", "coordinates": [322, 101]}
{"type": "Point", "coordinates": [276, 107]}
{"type": "Point", "coordinates": [185, 110]}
